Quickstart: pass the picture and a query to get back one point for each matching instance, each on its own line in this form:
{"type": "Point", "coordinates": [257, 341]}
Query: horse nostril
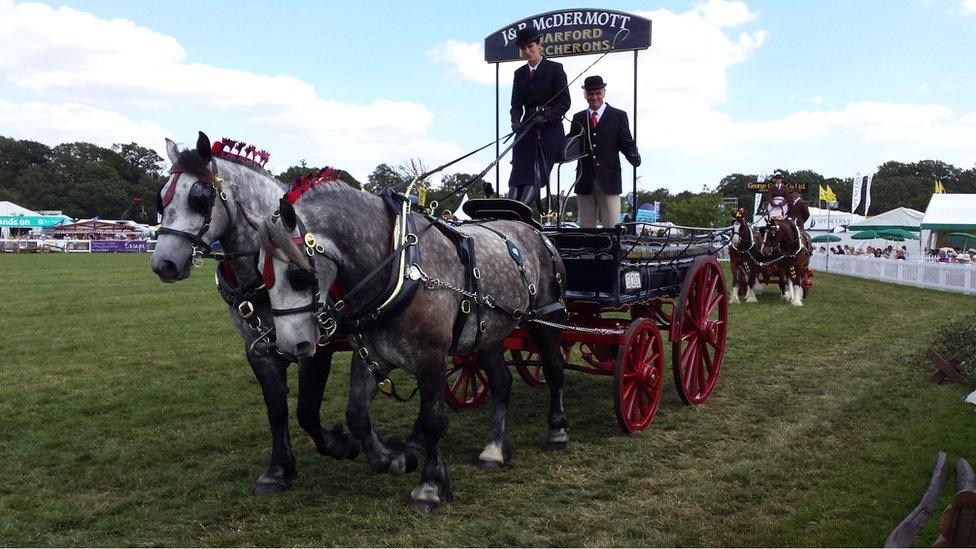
{"type": "Point", "coordinates": [304, 349]}
{"type": "Point", "coordinates": [167, 270]}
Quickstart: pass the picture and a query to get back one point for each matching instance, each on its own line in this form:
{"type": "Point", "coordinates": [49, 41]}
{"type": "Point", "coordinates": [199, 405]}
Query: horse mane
{"type": "Point", "coordinates": [304, 184]}
{"type": "Point", "coordinates": [273, 236]}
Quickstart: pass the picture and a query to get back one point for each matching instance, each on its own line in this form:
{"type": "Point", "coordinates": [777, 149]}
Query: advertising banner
{"type": "Point", "coordinates": [119, 246]}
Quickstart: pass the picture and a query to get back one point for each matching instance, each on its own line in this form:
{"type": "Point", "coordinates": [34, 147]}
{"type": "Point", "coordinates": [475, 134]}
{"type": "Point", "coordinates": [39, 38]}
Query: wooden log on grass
{"type": "Point", "coordinates": [906, 532]}
{"type": "Point", "coordinates": [957, 524]}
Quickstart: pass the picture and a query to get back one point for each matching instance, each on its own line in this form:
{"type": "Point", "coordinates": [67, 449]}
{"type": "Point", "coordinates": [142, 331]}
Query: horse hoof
{"type": "Point", "coordinates": [555, 445]}
{"type": "Point", "coordinates": [424, 506]}
{"type": "Point", "coordinates": [486, 464]}
{"type": "Point", "coordinates": [267, 486]}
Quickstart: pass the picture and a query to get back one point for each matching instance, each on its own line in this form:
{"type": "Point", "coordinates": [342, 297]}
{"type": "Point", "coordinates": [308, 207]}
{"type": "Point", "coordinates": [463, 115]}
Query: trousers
{"type": "Point", "coordinates": [598, 207]}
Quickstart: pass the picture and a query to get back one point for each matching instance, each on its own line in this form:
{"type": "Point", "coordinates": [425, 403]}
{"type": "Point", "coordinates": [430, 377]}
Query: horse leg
{"type": "Point", "coordinates": [737, 285]}
{"type": "Point", "coordinates": [272, 376]}
{"type": "Point", "coordinates": [553, 365]}
{"type": "Point", "coordinates": [313, 373]}
{"type": "Point", "coordinates": [435, 484]}
{"type": "Point", "coordinates": [753, 287]}
{"type": "Point", "coordinates": [795, 282]}
{"type": "Point", "coordinates": [498, 451]}
{"type": "Point", "coordinates": [782, 286]}
{"type": "Point", "coordinates": [383, 456]}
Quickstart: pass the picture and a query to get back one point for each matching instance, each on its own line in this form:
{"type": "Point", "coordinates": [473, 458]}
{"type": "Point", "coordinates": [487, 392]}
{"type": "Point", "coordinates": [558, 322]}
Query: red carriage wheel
{"type": "Point", "coordinates": [699, 330]}
{"type": "Point", "coordinates": [638, 375]}
{"type": "Point", "coordinates": [528, 364]}
{"type": "Point", "coordinates": [467, 383]}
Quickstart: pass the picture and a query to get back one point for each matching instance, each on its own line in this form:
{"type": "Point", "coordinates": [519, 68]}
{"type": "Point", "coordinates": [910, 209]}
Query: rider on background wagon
{"type": "Point", "coordinates": [798, 210]}
{"type": "Point", "coordinates": [777, 203]}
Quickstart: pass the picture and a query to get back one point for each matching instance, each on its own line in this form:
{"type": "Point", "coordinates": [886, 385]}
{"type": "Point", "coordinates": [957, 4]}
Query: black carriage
{"type": "Point", "coordinates": [623, 291]}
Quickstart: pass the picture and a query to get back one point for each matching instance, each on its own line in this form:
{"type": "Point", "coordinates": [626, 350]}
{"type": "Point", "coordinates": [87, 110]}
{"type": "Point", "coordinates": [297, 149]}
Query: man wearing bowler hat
{"type": "Point", "coordinates": [540, 98]}
{"type": "Point", "coordinates": [608, 134]}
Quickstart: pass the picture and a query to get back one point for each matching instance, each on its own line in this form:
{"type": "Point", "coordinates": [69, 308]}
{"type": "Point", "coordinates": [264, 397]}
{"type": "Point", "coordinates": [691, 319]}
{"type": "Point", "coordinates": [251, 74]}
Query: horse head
{"type": "Point", "coordinates": [191, 220]}
{"type": "Point", "coordinates": [293, 278]}
{"type": "Point", "coordinates": [779, 237]}
{"type": "Point", "coordinates": [742, 237]}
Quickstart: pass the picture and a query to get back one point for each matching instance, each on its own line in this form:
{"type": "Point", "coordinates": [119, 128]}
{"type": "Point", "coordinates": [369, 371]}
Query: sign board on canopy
{"type": "Point", "coordinates": [30, 221]}
{"type": "Point", "coordinates": [573, 32]}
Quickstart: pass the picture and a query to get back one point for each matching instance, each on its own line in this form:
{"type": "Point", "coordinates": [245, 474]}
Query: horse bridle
{"type": "Point", "coordinates": [201, 200]}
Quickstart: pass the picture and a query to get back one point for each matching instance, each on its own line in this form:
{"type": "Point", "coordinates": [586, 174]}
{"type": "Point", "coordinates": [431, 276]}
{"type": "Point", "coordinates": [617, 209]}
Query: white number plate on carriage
{"type": "Point", "coordinates": [632, 280]}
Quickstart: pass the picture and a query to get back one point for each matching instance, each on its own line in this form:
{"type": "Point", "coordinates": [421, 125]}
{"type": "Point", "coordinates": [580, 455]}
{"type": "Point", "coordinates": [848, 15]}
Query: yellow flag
{"type": "Point", "coordinates": [829, 195]}
{"type": "Point", "coordinates": [939, 188]}
{"type": "Point", "coordinates": [823, 193]}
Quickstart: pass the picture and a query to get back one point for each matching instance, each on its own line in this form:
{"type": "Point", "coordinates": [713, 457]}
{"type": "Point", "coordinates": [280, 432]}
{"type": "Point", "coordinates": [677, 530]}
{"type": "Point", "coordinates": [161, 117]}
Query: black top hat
{"type": "Point", "coordinates": [594, 83]}
{"type": "Point", "coordinates": [527, 35]}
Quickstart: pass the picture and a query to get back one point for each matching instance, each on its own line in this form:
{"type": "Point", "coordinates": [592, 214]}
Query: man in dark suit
{"type": "Point", "coordinates": [798, 209]}
{"type": "Point", "coordinates": [540, 98]}
{"type": "Point", "coordinates": [608, 134]}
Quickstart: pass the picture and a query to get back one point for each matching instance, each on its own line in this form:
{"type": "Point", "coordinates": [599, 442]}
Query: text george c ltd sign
{"type": "Point", "coordinates": [573, 32]}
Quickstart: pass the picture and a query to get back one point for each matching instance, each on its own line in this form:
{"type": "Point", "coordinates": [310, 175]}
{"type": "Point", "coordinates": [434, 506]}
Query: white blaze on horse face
{"type": "Point", "coordinates": [297, 333]}
{"type": "Point", "coordinates": [735, 233]}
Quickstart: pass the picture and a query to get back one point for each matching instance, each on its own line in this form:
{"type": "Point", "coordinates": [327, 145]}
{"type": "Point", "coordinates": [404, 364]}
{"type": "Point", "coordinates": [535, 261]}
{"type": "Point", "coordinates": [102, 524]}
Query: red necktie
{"type": "Point", "coordinates": [531, 74]}
{"type": "Point", "coordinates": [593, 120]}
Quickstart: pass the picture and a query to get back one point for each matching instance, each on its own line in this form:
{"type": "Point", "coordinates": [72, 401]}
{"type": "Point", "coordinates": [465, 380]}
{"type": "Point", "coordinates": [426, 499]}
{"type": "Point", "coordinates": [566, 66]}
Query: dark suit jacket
{"type": "Point", "coordinates": [534, 155]}
{"type": "Point", "coordinates": [610, 138]}
{"type": "Point", "coordinates": [799, 211]}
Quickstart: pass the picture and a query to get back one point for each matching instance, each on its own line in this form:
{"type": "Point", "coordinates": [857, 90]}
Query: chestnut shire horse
{"type": "Point", "coordinates": [206, 199]}
{"type": "Point", "coordinates": [330, 233]}
{"type": "Point", "coordinates": [789, 248]}
{"type": "Point", "coordinates": [742, 262]}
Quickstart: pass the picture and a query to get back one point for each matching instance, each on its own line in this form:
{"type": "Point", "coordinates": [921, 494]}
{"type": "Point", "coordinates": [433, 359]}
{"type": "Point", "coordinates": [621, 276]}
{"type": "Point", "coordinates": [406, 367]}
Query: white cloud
{"type": "Point", "coordinates": [79, 63]}
{"type": "Point", "coordinates": [725, 13]}
{"type": "Point", "coordinates": [68, 122]}
{"type": "Point", "coordinates": [467, 59]}
{"type": "Point", "coordinates": [968, 6]}
{"type": "Point", "coordinates": [924, 88]}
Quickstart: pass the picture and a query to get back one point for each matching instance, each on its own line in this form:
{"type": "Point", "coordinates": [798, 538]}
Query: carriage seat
{"type": "Point", "coordinates": [500, 208]}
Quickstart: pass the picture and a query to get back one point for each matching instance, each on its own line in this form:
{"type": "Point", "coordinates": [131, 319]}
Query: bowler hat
{"type": "Point", "coordinates": [594, 83]}
{"type": "Point", "coordinates": [527, 35]}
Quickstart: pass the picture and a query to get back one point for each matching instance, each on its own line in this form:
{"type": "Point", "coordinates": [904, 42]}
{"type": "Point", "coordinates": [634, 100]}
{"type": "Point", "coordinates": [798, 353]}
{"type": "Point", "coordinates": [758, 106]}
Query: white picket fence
{"type": "Point", "coordinates": [939, 276]}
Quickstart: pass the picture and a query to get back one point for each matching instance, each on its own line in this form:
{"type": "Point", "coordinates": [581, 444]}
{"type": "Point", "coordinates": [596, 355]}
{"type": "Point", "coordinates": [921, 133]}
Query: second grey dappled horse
{"type": "Point", "coordinates": [206, 199]}
{"type": "Point", "coordinates": [333, 233]}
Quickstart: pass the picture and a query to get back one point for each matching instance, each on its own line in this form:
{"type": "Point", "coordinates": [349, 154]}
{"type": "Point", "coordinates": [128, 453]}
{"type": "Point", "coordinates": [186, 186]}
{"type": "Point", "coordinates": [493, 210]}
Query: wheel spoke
{"type": "Point", "coordinates": [713, 303]}
{"type": "Point", "coordinates": [708, 363]}
{"type": "Point", "coordinates": [482, 377]}
{"type": "Point", "coordinates": [688, 367]}
{"type": "Point", "coordinates": [700, 372]}
{"type": "Point", "coordinates": [457, 382]}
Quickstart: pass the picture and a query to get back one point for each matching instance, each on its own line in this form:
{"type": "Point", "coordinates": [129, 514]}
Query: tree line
{"type": "Point", "coordinates": [86, 180]}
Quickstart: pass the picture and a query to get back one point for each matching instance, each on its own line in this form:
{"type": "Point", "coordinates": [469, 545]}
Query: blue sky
{"type": "Point", "coordinates": [727, 86]}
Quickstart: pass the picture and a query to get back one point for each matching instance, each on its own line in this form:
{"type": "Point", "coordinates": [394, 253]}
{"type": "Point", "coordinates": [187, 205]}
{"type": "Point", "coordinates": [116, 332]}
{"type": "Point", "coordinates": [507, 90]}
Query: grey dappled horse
{"type": "Point", "coordinates": [206, 199]}
{"type": "Point", "coordinates": [351, 232]}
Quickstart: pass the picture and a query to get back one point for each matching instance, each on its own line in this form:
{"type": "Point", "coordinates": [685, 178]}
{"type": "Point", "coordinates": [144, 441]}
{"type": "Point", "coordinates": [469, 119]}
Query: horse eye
{"type": "Point", "coordinates": [301, 280]}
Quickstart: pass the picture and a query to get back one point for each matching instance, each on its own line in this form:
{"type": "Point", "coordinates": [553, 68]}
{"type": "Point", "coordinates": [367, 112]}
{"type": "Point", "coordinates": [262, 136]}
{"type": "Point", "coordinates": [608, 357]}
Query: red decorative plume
{"type": "Point", "coordinates": [304, 184]}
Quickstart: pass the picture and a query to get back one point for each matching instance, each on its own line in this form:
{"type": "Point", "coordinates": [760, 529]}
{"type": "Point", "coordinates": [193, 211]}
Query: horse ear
{"type": "Point", "coordinates": [287, 212]}
{"type": "Point", "coordinates": [171, 151]}
{"type": "Point", "coordinates": [203, 147]}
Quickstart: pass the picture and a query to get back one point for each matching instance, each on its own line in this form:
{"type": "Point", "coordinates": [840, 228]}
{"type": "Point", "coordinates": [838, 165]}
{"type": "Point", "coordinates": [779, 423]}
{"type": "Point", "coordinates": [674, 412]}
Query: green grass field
{"type": "Point", "coordinates": [128, 416]}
